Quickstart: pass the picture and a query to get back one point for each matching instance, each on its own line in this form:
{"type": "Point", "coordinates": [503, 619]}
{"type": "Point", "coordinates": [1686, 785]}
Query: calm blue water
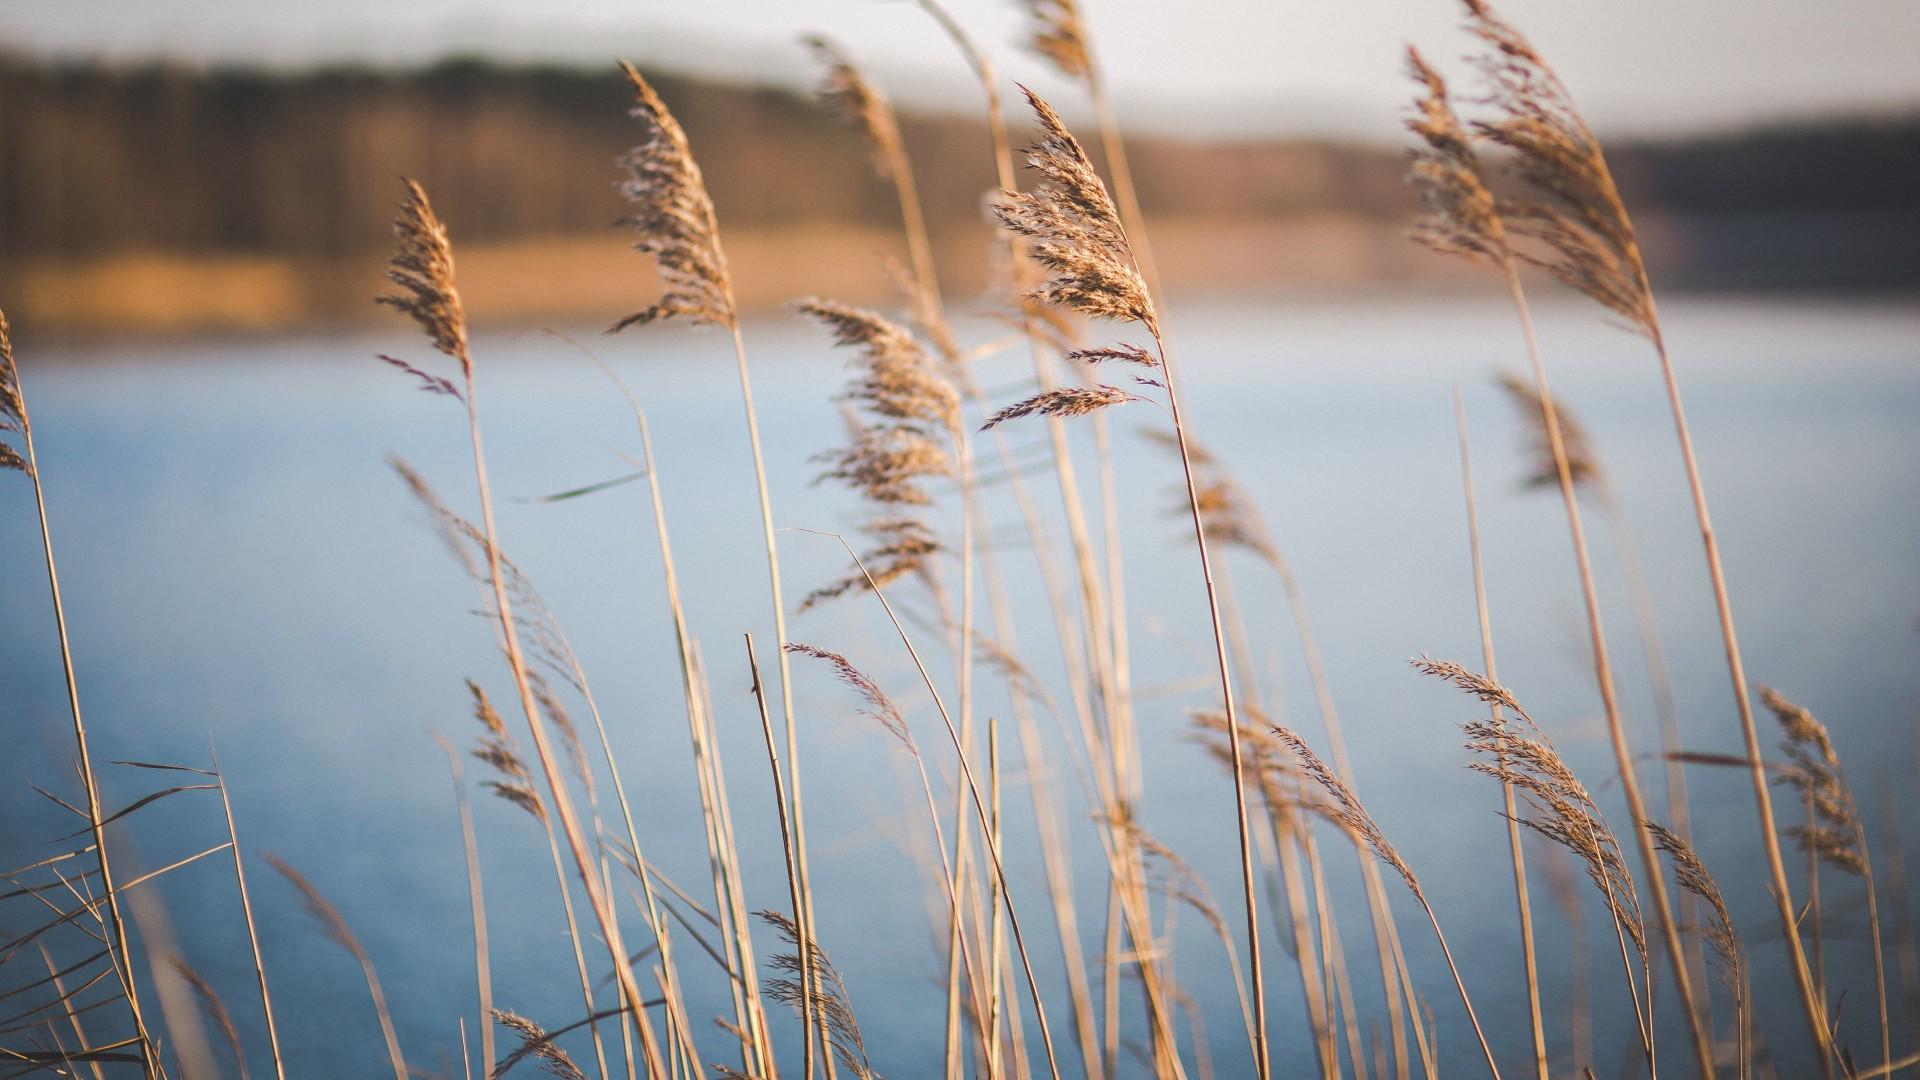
{"type": "Point", "coordinates": [243, 568]}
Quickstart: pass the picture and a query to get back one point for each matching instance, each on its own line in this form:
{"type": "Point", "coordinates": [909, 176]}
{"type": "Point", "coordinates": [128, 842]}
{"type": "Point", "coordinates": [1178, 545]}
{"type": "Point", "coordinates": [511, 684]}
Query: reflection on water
{"type": "Point", "coordinates": [243, 567]}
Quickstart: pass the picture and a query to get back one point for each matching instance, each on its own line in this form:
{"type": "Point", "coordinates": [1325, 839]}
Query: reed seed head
{"type": "Point", "coordinates": [1059, 36]}
{"type": "Point", "coordinates": [1075, 230]}
{"type": "Point", "coordinates": [878, 706]}
{"type": "Point", "coordinates": [673, 219]}
{"type": "Point", "coordinates": [535, 1043]}
{"type": "Point", "coordinates": [1346, 808]}
{"type": "Point", "coordinates": [1583, 465]}
{"type": "Point", "coordinates": [1462, 217]}
{"type": "Point", "coordinates": [847, 91]}
{"type": "Point", "coordinates": [902, 546]}
{"type": "Point", "coordinates": [1063, 402]}
{"type": "Point", "coordinates": [1471, 681]}
{"type": "Point", "coordinates": [422, 266]}
{"type": "Point", "coordinates": [830, 997]}
{"type": "Point", "coordinates": [13, 407]}
{"type": "Point", "coordinates": [1692, 875]}
{"type": "Point", "coordinates": [1832, 830]}
{"type": "Point", "coordinates": [898, 379]}
{"type": "Point", "coordinates": [1576, 211]}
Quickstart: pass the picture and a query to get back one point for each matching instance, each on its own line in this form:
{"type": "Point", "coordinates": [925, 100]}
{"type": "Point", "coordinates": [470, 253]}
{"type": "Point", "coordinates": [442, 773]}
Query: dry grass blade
{"type": "Point", "coordinates": [848, 92]}
{"type": "Point", "coordinates": [534, 1042]}
{"type": "Point", "coordinates": [422, 266]}
{"type": "Point", "coordinates": [1582, 463]}
{"type": "Point", "coordinates": [1578, 213]}
{"type": "Point", "coordinates": [215, 1010]}
{"type": "Point", "coordinates": [1462, 216]}
{"type": "Point", "coordinates": [832, 1002]}
{"type": "Point", "coordinates": [1075, 230]}
{"type": "Point", "coordinates": [1063, 401]}
{"type": "Point", "coordinates": [335, 927]}
{"type": "Point", "coordinates": [674, 221]}
{"type": "Point", "coordinates": [1058, 35]}
{"type": "Point", "coordinates": [13, 408]}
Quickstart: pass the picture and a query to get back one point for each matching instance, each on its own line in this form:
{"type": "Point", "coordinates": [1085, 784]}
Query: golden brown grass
{"type": "Point", "coordinates": [913, 404]}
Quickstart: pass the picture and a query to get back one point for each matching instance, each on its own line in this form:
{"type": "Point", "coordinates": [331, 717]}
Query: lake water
{"type": "Point", "coordinates": [242, 567]}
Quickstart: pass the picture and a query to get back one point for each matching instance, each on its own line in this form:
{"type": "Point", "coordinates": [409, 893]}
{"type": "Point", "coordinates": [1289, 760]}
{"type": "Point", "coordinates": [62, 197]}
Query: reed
{"type": "Point", "coordinates": [673, 221]}
{"type": "Point", "coordinates": [422, 269]}
{"type": "Point", "coordinates": [1577, 212]}
{"type": "Point", "coordinates": [1075, 232]}
{"type": "Point", "coordinates": [334, 925]}
{"type": "Point", "coordinates": [1466, 219]}
{"type": "Point", "coordinates": [15, 421]}
{"type": "Point", "coordinates": [1345, 809]}
{"type": "Point", "coordinates": [1522, 903]}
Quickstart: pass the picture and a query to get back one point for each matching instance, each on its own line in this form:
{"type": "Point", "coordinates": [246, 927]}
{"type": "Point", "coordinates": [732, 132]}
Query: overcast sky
{"type": "Point", "coordinates": [1642, 66]}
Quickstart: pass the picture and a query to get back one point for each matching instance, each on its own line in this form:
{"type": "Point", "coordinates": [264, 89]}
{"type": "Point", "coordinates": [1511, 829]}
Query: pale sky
{"type": "Point", "coordinates": [1221, 66]}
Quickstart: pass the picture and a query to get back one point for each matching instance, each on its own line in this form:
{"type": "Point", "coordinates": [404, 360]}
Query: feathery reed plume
{"type": "Point", "coordinates": [1229, 515]}
{"type": "Point", "coordinates": [1463, 217]}
{"type": "Point", "coordinates": [847, 91]}
{"type": "Point", "coordinates": [1816, 775]}
{"type": "Point", "coordinates": [1834, 833]}
{"type": "Point", "coordinates": [897, 379]}
{"type": "Point", "coordinates": [903, 546]}
{"type": "Point", "coordinates": [674, 220]}
{"type": "Point", "coordinates": [1059, 36]}
{"type": "Point", "coordinates": [13, 408]}
{"type": "Point", "coordinates": [1579, 215]}
{"type": "Point", "coordinates": [1063, 401]}
{"type": "Point", "coordinates": [834, 1004]}
{"type": "Point", "coordinates": [15, 420]}
{"type": "Point", "coordinates": [215, 1010]}
{"type": "Point", "coordinates": [879, 707]}
{"type": "Point", "coordinates": [1346, 809]}
{"type": "Point", "coordinates": [1582, 462]}
{"type": "Point", "coordinates": [422, 266]}
{"type": "Point", "coordinates": [496, 748]}
{"type": "Point", "coordinates": [334, 925]}
{"type": "Point", "coordinates": [534, 1042]}
{"type": "Point", "coordinates": [1074, 230]}
{"type": "Point", "coordinates": [1559, 808]}
{"type": "Point", "coordinates": [1692, 875]}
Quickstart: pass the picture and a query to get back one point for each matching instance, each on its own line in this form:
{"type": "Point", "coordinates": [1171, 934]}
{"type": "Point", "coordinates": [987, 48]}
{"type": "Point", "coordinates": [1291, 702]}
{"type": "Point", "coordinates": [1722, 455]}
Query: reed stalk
{"type": "Point", "coordinates": [787, 845]}
{"type": "Point", "coordinates": [246, 913]}
{"type": "Point", "coordinates": [14, 417]}
{"type": "Point", "coordinates": [1508, 810]}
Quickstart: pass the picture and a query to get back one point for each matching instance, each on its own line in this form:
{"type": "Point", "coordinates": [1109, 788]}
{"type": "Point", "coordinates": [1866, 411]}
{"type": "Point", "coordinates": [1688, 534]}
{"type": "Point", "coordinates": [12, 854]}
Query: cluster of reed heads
{"type": "Point", "coordinates": [1522, 185]}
